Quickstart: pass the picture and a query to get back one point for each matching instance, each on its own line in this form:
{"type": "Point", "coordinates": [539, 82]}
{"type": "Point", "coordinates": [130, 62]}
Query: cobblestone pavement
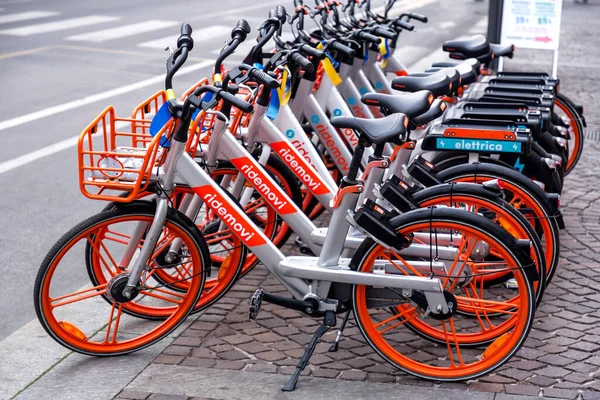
{"type": "Point", "coordinates": [561, 357]}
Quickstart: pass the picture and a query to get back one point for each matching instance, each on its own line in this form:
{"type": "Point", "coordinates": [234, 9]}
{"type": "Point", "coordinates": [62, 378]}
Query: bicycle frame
{"type": "Point", "coordinates": [291, 271]}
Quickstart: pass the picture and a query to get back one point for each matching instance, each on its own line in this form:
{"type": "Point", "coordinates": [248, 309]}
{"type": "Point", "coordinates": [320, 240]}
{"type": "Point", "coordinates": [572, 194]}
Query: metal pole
{"type": "Point", "coordinates": [495, 25]}
{"type": "Point", "coordinates": [555, 64]}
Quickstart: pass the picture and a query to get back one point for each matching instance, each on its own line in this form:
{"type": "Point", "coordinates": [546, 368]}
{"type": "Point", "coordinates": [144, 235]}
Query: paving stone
{"type": "Point", "coordinates": [237, 339]}
{"type": "Point", "coordinates": [254, 347]}
{"type": "Point", "coordinates": [359, 363]}
{"type": "Point", "coordinates": [226, 364]}
{"type": "Point", "coordinates": [158, 396]}
{"type": "Point", "coordinates": [553, 372]}
{"type": "Point", "coordinates": [522, 389]}
{"type": "Point", "coordinates": [486, 387]}
{"type": "Point", "coordinates": [289, 369]}
{"type": "Point", "coordinates": [204, 324]}
{"type": "Point", "coordinates": [554, 359]}
{"type": "Point", "coordinates": [177, 350]}
{"type": "Point", "coordinates": [526, 365]}
{"type": "Point", "coordinates": [380, 378]}
{"type": "Point", "coordinates": [268, 337]}
{"type": "Point", "coordinates": [591, 395]}
{"type": "Point", "coordinates": [199, 362]}
{"type": "Point", "coordinates": [233, 355]}
{"type": "Point", "coordinates": [133, 395]}
{"type": "Point", "coordinates": [576, 355]}
{"type": "Point", "coordinates": [271, 355]}
{"type": "Point", "coordinates": [541, 381]}
{"type": "Point", "coordinates": [577, 377]}
{"type": "Point", "coordinates": [354, 375]}
{"type": "Point", "coordinates": [187, 341]}
{"type": "Point", "coordinates": [561, 393]}
{"type": "Point", "coordinates": [262, 367]}
{"type": "Point", "coordinates": [203, 352]}
{"type": "Point", "coordinates": [168, 360]}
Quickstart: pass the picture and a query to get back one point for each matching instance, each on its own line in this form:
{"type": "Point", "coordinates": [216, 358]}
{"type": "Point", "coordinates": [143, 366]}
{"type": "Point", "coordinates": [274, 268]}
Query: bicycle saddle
{"type": "Point", "coordinates": [411, 105]}
{"type": "Point", "coordinates": [452, 73]}
{"type": "Point", "coordinates": [473, 62]}
{"type": "Point", "coordinates": [438, 84]}
{"type": "Point", "coordinates": [435, 111]}
{"type": "Point", "coordinates": [466, 72]}
{"type": "Point", "coordinates": [503, 50]}
{"type": "Point", "coordinates": [472, 47]}
{"type": "Point", "coordinates": [375, 131]}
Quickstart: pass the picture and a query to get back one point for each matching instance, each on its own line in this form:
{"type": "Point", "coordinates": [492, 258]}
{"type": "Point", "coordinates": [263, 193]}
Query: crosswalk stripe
{"type": "Point", "coordinates": [58, 25]}
{"type": "Point", "coordinates": [123, 31]}
{"type": "Point", "coordinates": [24, 16]}
{"type": "Point", "coordinates": [200, 35]}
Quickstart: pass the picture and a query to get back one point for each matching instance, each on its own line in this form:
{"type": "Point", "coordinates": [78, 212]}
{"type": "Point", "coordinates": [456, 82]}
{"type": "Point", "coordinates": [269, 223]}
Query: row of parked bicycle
{"type": "Point", "coordinates": [442, 191]}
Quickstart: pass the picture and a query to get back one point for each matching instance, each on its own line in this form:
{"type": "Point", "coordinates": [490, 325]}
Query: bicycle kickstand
{"type": "Point", "coordinates": [328, 322]}
{"type": "Point", "coordinates": [336, 344]}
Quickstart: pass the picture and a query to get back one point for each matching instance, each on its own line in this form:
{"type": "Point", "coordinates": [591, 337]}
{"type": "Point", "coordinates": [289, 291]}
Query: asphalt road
{"type": "Point", "coordinates": [63, 62]}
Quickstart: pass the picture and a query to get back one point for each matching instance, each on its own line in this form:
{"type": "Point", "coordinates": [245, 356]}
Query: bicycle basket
{"type": "Point", "coordinates": [116, 156]}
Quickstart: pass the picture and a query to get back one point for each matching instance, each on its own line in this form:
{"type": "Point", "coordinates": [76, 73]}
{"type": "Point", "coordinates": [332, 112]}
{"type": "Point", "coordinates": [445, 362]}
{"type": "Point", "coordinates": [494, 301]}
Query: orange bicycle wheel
{"type": "Point", "coordinates": [499, 214]}
{"type": "Point", "coordinates": [96, 319]}
{"type": "Point", "coordinates": [443, 350]}
{"type": "Point", "coordinates": [575, 144]}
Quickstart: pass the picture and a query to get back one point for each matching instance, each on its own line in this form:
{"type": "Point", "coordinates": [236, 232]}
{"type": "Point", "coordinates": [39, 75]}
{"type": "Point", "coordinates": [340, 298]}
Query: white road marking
{"type": "Point", "coordinates": [403, 6]}
{"type": "Point", "coordinates": [9, 2]}
{"type": "Point", "coordinates": [199, 35]}
{"type": "Point", "coordinates": [72, 141]}
{"type": "Point", "coordinates": [447, 24]}
{"type": "Point", "coordinates": [24, 16]}
{"type": "Point", "coordinates": [58, 25]}
{"type": "Point", "coordinates": [479, 27]}
{"type": "Point", "coordinates": [123, 31]}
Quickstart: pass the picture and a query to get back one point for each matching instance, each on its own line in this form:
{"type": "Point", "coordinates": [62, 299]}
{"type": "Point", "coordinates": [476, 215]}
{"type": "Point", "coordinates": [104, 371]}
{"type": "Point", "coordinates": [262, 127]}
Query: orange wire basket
{"type": "Point", "coordinates": [117, 155]}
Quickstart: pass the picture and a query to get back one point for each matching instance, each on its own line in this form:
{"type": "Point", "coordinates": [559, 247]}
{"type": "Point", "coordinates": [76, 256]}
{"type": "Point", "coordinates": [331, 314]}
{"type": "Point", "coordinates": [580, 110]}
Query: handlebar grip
{"type": "Point", "coordinates": [301, 61]}
{"type": "Point", "coordinates": [185, 40]}
{"type": "Point", "coordinates": [298, 3]}
{"type": "Point", "coordinates": [368, 37]}
{"type": "Point", "coordinates": [235, 101]}
{"type": "Point", "coordinates": [385, 33]}
{"type": "Point", "coordinates": [281, 13]}
{"type": "Point", "coordinates": [311, 51]}
{"type": "Point", "coordinates": [404, 25]}
{"type": "Point", "coordinates": [418, 17]}
{"type": "Point", "coordinates": [264, 78]}
{"type": "Point", "coordinates": [241, 30]}
{"type": "Point", "coordinates": [345, 50]}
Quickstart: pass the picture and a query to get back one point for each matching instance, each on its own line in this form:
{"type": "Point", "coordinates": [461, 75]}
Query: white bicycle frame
{"type": "Point", "coordinates": [304, 277]}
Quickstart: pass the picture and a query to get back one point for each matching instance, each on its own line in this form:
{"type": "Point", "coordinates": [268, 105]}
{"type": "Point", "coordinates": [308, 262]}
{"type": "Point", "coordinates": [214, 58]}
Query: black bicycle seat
{"type": "Point", "coordinates": [375, 131]}
{"type": "Point", "coordinates": [411, 105]}
{"type": "Point", "coordinates": [438, 84]}
{"type": "Point", "coordinates": [472, 47]}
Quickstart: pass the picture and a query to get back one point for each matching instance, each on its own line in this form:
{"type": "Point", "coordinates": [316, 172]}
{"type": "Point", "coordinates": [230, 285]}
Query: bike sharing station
{"type": "Point", "coordinates": [441, 201]}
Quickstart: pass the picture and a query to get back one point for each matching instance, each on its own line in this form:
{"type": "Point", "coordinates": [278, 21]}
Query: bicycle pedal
{"type": "Point", "coordinates": [304, 249]}
{"type": "Point", "coordinates": [255, 303]}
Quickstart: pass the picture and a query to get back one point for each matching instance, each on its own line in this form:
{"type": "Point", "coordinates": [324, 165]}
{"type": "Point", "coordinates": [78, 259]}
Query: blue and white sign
{"type": "Point", "coordinates": [477, 145]}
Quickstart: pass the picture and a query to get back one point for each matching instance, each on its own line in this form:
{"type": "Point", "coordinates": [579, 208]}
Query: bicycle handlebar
{"type": "Point", "coordinates": [345, 50]}
{"type": "Point", "coordinates": [238, 35]}
{"type": "Point", "coordinates": [367, 37]}
{"type": "Point", "coordinates": [301, 61]}
{"type": "Point", "coordinates": [412, 15]}
{"type": "Point", "coordinates": [185, 43]}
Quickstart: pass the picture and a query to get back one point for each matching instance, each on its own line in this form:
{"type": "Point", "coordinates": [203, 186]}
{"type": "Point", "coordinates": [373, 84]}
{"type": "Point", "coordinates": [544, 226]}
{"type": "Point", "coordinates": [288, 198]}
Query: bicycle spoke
{"type": "Point", "coordinates": [91, 292]}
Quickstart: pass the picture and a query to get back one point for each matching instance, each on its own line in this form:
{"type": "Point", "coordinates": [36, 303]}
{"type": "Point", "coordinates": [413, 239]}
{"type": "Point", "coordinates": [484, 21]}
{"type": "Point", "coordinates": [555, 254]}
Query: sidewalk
{"type": "Point", "coordinates": [223, 355]}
